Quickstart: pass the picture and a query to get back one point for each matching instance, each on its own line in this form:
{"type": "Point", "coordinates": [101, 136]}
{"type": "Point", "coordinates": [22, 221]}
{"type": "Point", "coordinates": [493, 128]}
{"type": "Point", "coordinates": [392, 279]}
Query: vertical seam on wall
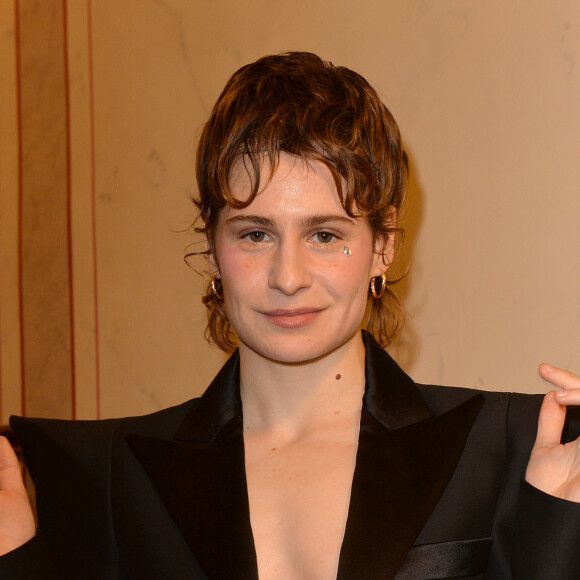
{"type": "Point", "coordinates": [19, 213]}
{"type": "Point", "coordinates": [69, 211]}
{"type": "Point", "coordinates": [1, 383]}
{"type": "Point", "coordinates": [94, 207]}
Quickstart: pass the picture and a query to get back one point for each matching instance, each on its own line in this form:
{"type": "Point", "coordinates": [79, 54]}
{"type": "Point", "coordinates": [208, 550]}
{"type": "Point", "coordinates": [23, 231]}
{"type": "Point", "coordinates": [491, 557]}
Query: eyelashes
{"type": "Point", "coordinates": [323, 237]}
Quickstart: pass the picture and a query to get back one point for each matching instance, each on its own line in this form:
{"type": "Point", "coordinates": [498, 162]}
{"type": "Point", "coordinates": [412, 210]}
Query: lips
{"type": "Point", "coordinates": [292, 318]}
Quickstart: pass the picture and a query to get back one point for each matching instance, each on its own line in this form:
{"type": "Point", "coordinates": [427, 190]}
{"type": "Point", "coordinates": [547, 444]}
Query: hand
{"type": "Point", "coordinates": [16, 520]}
{"type": "Point", "coordinates": [555, 468]}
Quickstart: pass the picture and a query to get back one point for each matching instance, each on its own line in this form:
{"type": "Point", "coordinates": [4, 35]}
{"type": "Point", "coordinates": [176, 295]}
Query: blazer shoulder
{"type": "Point", "coordinates": [442, 395]}
{"type": "Point", "coordinates": [441, 398]}
{"type": "Point", "coordinates": [505, 416]}
{"type": "Point", "coordinates": [78, 433]}
{"type": "Point", "coordinates": [84, 447]}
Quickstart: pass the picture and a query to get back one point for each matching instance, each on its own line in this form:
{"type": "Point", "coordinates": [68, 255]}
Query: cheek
{"type": "Point", "coordinates": [229, 259]}
{"type": "Point", "coordinates": [354, 272]}
{"type": "Point", "coordinates": [240, 275]}
{"type": "Point", "coordinates": [347, 281]}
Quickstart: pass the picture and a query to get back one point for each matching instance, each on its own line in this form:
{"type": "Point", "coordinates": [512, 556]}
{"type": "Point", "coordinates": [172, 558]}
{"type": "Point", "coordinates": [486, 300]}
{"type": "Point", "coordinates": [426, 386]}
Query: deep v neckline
{"type": "Point", "coordinates": [404, 460]}
{"type": "Point", "coordinates": [311, 490]}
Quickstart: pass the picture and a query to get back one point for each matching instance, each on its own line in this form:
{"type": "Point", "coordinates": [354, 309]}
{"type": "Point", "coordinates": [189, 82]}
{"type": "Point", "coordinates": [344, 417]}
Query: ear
{"type": "Point", "coordinates": [210, 255]}
{"type": "Point", "coordinates": [385, 246]}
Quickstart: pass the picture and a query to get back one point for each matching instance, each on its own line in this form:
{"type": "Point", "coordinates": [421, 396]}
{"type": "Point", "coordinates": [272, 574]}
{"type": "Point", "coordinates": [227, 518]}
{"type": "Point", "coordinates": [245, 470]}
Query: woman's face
{"type": "Point", "coordinates": [290, 291]}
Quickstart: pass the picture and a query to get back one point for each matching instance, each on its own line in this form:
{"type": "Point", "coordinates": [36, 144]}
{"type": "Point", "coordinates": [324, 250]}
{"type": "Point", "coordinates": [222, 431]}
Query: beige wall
{"type": "Point", "coordinates": [101, 103]}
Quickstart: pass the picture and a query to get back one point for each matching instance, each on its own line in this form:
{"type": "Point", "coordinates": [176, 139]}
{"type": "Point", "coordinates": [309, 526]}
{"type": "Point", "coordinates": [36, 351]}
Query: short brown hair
{"type": "Point", "coordinates": [299, 104]}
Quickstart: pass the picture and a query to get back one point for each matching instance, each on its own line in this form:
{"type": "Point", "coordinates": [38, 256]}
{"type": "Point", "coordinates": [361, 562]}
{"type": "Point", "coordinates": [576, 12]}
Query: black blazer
{"type": "Point", "coordinates": [437, 490]}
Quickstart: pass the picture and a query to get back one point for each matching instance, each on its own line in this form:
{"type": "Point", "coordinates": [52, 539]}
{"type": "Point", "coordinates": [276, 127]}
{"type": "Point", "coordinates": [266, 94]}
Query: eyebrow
{"type": "Point", "coordinates": [311, 221]}
{"type": "Point", "coordinates": [251, 219]}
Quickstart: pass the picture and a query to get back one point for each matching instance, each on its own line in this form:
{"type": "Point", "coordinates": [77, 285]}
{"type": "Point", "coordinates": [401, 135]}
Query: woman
{"type": "Point", "coordinates": [311, 455]}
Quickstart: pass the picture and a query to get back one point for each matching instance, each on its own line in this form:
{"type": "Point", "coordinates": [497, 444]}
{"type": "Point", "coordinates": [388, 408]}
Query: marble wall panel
{"type": "Point", "coordinates": [45, 282]}
{"type": "Point", "coordinates": [150, 316]}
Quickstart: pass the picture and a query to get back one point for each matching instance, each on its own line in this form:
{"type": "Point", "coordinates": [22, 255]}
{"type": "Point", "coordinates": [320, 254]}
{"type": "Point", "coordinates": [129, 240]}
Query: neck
{"type": "Point", "coordinates": [294, 397]}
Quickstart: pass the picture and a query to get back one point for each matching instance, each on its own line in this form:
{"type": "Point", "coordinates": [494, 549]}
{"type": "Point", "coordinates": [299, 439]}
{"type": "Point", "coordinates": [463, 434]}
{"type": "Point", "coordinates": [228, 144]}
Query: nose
{"type": "Point", "coordinates": [290, 269]}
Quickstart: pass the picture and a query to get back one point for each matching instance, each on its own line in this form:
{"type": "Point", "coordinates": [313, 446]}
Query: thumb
{"type": "Point", "coordinates": [550, 422]}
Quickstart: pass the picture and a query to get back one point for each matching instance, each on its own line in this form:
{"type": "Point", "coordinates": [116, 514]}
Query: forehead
{"type": "Point", "coordinates": [295, 184]}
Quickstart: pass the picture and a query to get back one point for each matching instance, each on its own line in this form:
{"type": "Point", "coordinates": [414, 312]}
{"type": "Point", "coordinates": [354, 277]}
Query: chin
{"type": "Point", "coordinates": [295, 349]}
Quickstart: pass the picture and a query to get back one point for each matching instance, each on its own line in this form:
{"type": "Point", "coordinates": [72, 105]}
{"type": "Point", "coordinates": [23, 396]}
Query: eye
{"type": "Point", "coordinates": [256, 236]}
{"type": "Point", "coordinates": [324, 237]}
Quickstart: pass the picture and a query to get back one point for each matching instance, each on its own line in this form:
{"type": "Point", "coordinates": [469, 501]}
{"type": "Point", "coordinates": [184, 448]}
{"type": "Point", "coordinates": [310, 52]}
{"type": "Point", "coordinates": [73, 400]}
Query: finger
{"type": "Point", "coordinates": [550, 421]}
{"type": "Point", "coordinates": [559, 377]}
{"type": "Point", "coordinates": [10, 474]}
{"type": "Point", "coordinates": [568, 397]}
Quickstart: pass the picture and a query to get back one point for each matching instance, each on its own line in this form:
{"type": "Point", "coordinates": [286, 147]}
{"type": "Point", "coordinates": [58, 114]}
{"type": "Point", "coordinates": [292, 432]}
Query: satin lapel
{"type": "Point", "coordinates": [203, 488]}
{"type": "Point", "coordinates": [200, 477]}
{"type": "Point", "coordinates": [390, 396]}
{"type": "Point", "coordinates": [399, 478]}
{"type": "Point", "coordinates": [405, 459]}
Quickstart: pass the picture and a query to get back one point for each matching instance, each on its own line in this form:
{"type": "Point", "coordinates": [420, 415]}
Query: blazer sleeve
{"type": "Point", "coordinates": [70, 463]}
{"type": "Point", "coordinates": [547, 542]}
{"type": "Point", "coordinates": [547, 528]}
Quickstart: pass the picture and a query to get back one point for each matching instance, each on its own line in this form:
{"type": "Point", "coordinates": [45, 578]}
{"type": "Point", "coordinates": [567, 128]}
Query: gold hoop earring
{"type": "Point", "coordinates": [377, 295]}
{"type": "Point", "coordinates": [215, 291]}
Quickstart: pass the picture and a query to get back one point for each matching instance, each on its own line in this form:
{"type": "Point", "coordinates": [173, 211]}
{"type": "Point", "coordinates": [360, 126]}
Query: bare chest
{"type": "Point", "coordinates": [299, 497]}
